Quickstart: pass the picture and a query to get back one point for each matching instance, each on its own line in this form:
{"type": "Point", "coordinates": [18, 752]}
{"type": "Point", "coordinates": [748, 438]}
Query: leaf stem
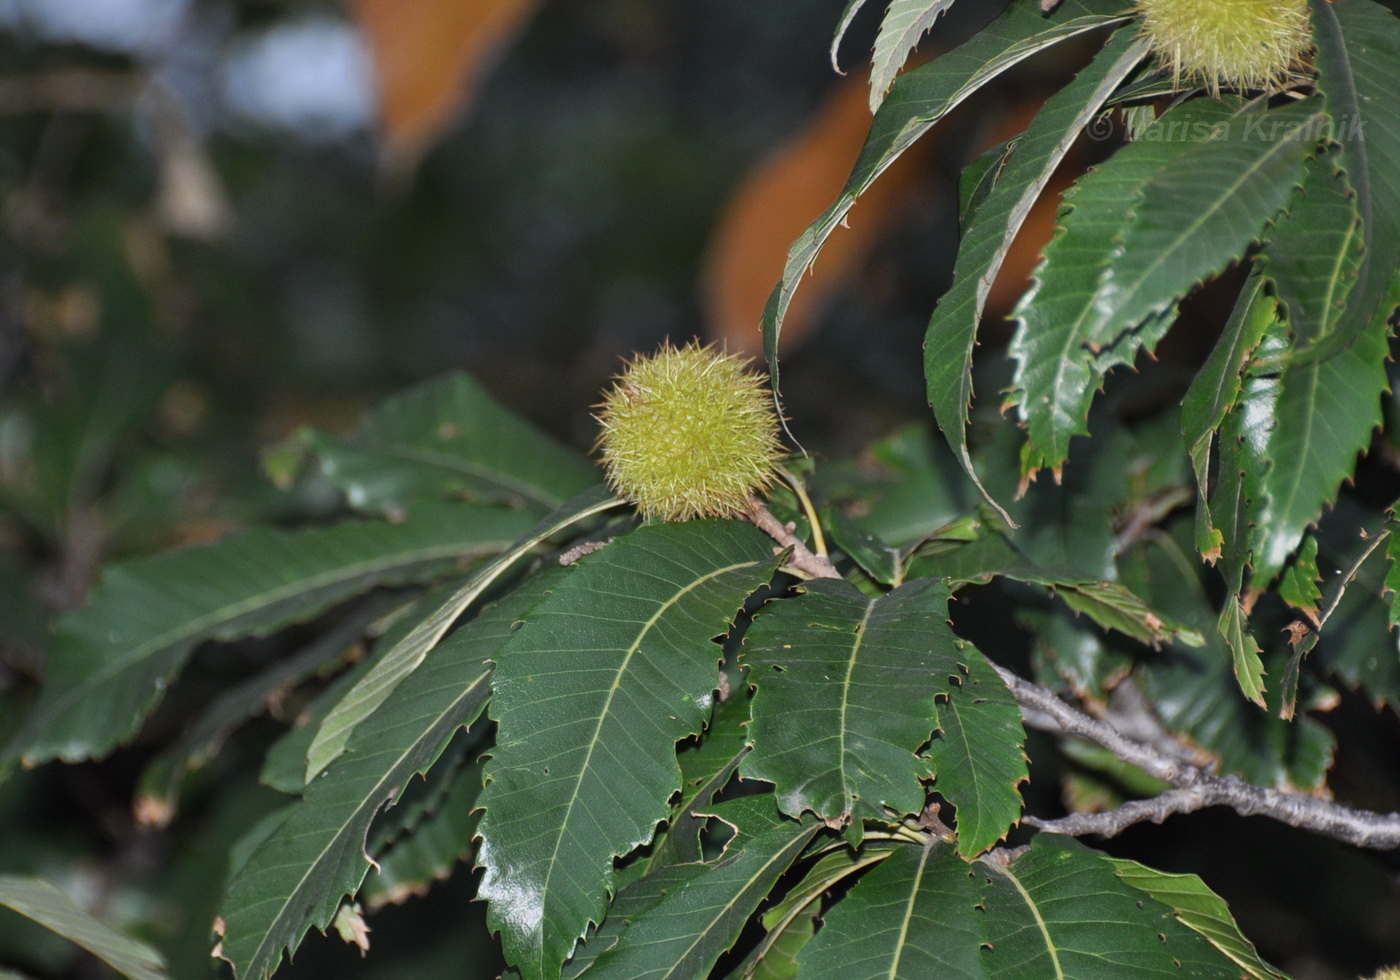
{"type": "Point", "coordinates": [800, 488]}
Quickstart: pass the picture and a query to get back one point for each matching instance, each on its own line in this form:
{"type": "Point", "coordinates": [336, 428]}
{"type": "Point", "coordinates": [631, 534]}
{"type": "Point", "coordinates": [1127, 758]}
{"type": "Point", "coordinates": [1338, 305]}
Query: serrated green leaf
{"type": "Point", "coordinates": [1200, 212]}
{"type": "Point", "coordinates": [1314, 252]}
{"type": "Point", "coordinates": [1055, 372]}
{"type": "Point", "coordinates": [1298, 587]}
{"type": "Point", "coordinates": [1056, 910]}
{"type": "Point", "coordinates": [705, 768]}
{"type": "Point", "coordinates": [952, 330]}
{"type": "Point", "coordinates": [405, 656]}
{"type": "Point", "coordinates": [904, 23]}
{"type": "Point", "coordinates": [844, 698]}
{"type": "Point", "coordinates": [1243, 439]}
{"type": "Point", "coordinates": [36, 899]}
{"type": "Point", "coordinates": [1111, 605]}
{"type": "Point", "coordinates": [591, 695]}
{"type": "Point", "coordinates": [1114, 607]}
{"type": "Point", "coordinates": [630, 902]}
{"type": "Point", "coordinates": [1322, 418]}
{"type": "Point", "coordinates": [779, 961]}
{"type": "Point", "coordinates": [296, 877]}
{"type": "Point", "coordinates": [1358, 45]}
{"type": "Point", "coordinates": [1244, 652]}
{"type": "Point", "coordinates": [440, 842]}
{"type": "Point", "coordinates": [791, 922]}
{"type": "Point", "coordinates": [979, 755]}
{"type": "Point", "coordinates": [919, 99]}
{"type": "Point", "coordinates": [448, 437]}
{"type": "Point", "coordinates": [284, 765]}
{"type": "Point", "coordinates": [1200, 909]}
{"type": "Point", "coordinates": [883, 928]}
{"type": "Point", "coordinates": [423, 795]}
{"type": "Point", "coordinates": [1214, 391]}
{"type": "Point", "coordinates": [681, 935]}
{"type": "Point", "coordinates": [113, 658]}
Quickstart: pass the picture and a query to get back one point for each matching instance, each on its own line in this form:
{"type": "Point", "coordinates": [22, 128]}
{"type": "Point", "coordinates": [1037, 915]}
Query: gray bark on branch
{"type": "Point", "coordinates": [1195, 788]}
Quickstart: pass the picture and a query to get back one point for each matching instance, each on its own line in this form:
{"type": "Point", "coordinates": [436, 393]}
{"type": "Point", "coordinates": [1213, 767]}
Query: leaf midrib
{"type": "Point", "coordinates": [909, 910]}
{"type": "Point", "coordinates": [594, 740]}
{"type": "Point", "coordinates": [1035, 913]}
{"type": "Point", "coordinates": [1126, 295]}
{"type": "Point", "coordinates": [192, 630]}
{"type": "Point", "coordinates": [846, 795]}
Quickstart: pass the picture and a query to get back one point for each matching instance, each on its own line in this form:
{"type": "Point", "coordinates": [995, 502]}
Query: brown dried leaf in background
{"type": "Point", "coordinates": [775, 204]}
{"type": "Point", "coordinates": [429, 55]}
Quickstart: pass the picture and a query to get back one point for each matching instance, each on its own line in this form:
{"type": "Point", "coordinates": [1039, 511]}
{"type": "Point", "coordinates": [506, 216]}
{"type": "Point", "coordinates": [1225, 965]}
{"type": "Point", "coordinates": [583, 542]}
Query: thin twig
{"type": "Point", "coordinates": [1346, 579]}
{"type": "Point", "coordinates": [803, 558]}
{"type": "Point", "coordinates": [1195, 787]}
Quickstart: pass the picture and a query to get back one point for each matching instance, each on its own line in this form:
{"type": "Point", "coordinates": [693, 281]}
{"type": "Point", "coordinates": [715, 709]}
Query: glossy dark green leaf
{"type": "Point", "coordinates": [631, 901]}
{"type": "Point", "coordinates": [979, 755]}
{"type": "Point", "coordinates": [844, 700]}
{"type": "Point", "coordinates": [952, 331]}
{"type": "Point", "coordinates": [1056, 910]}
{"type": "Point", "coordinates": [918, 100]}
{"type": "Point", "coordinates": [591, 695]}
{"type": "Point", "coordinates": [692, 923]}
{"type": "Point", "coordinates": [113, 658]}
{"type": "Point", "coordinates": [1200, 909]}
{"type": "Point", "coordinates": [296, 877]}
{"type": "Point", "coordinates": [448, 437]}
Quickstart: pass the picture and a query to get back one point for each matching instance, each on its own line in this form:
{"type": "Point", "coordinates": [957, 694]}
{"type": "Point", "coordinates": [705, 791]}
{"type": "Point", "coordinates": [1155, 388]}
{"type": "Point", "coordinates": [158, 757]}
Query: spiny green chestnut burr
{"type": "Point", "coordinates": [689, 432]}
{"type": "Point", "coordinates": [1231, 44]}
